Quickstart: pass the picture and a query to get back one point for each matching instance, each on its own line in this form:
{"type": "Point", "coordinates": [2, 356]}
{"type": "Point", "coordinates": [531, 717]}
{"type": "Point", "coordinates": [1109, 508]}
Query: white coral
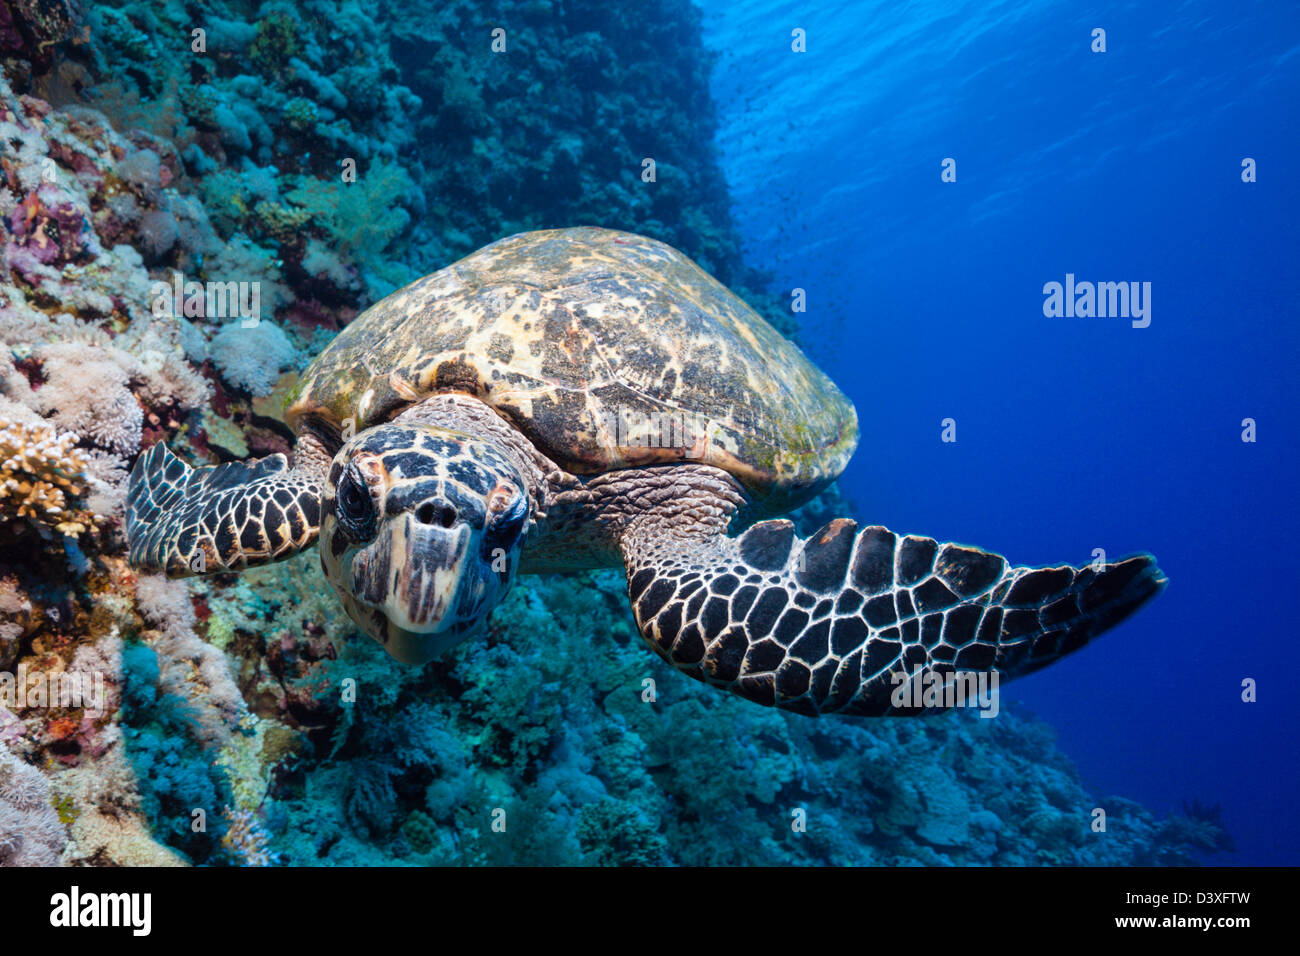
{"type": "Point", "coordinates": [252, 359]}
{"type": "Point", "coordinates": [30, 831]}
{"type": "Point", "coordinates": [88, 393]}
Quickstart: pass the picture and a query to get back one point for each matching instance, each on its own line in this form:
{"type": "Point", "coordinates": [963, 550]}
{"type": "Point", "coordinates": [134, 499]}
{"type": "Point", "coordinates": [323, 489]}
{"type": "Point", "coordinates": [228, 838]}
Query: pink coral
{"type": "Point", "coordinates": [48, 225]}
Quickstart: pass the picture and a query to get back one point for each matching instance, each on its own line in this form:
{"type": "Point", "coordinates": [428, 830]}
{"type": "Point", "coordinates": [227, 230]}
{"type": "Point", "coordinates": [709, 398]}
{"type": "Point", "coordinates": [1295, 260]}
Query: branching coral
{"type": "Point", "coordinates": [42, 476]}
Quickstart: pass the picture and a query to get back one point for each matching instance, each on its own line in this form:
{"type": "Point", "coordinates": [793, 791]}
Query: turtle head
{"type": "Point", "coordinates": [420, 534]}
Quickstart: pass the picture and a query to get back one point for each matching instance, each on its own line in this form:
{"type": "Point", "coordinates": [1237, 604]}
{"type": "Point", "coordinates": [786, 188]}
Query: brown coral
{"type": "Point", "coordinates": [41, 474]}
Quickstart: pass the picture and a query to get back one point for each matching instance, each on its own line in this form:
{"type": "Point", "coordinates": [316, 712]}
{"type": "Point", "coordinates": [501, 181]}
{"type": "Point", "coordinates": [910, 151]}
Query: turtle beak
{"type": "Point", "coordinates": [416, 573]}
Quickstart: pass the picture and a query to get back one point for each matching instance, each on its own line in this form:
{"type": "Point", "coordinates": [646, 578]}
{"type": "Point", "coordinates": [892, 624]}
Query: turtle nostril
{"type": "Point", "coordinates": [429, 513]}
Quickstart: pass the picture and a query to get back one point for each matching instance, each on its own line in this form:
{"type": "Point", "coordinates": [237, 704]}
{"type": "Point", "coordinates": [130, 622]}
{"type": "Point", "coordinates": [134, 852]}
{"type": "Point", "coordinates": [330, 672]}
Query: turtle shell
{"type": "Point", "coordinates": [607, 350]}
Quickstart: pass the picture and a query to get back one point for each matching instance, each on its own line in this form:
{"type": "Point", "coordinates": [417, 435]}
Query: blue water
{"type": "Point", "coordinates": [926, 302]}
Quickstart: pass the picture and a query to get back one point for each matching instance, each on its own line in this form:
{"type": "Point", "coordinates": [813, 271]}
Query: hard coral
{"type": "Point", "coordinates": [42, 473]}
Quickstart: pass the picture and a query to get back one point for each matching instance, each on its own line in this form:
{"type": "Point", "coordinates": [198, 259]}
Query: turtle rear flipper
{"type": "Point", "coordinates": [839, 622]}
{"type": "Point", "coordinates": [183, 521]}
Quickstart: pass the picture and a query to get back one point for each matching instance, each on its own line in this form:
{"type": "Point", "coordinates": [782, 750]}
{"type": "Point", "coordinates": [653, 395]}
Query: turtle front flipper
{"type": "Point", "coordinates": [855, 621]}
{"type": "Point", "coordinates": [183, 521]}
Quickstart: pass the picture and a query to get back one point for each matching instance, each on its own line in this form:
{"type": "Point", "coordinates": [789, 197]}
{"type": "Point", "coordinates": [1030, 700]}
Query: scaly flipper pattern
{"type": "Point", "coordinates": [832, 623]}
{"type": "Point", "coordinates": [184, 521]}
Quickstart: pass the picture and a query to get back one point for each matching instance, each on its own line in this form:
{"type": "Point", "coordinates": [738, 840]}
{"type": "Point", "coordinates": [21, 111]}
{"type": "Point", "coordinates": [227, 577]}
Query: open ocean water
{"type": "Point", "coordinates": [926, 302]}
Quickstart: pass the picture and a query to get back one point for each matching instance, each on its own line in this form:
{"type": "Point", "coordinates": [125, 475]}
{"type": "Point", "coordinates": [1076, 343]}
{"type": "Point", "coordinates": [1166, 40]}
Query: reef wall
{"type": "Point", "coordinates": [325, 153]}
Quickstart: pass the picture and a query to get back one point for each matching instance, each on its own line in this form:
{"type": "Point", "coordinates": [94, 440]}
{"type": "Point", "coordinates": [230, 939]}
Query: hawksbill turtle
{"type": "Point", "coordinates": [587, 398]}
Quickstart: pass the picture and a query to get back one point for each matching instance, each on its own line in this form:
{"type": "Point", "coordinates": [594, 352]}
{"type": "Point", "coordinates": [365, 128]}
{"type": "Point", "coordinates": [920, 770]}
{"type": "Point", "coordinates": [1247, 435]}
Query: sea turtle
{"type": "Point", "coordinates": [586, 398]}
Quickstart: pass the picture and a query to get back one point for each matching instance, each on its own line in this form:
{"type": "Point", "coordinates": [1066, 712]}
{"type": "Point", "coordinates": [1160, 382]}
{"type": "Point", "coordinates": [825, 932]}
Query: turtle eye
{"type": "Point", "coordinates": [505, 520]}
{"type": "Point", "coordinates": [356, 512]}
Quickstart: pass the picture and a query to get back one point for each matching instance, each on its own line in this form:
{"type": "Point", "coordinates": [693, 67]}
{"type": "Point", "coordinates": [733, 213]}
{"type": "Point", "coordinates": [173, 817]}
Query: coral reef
{"type": "Point", "coordinates": [252, 359]}
{"type": "Point", "coordinates": [247, 839]}
{"type": "Point", "coordinates": [315, 156]}
{"type": "Point", "coordinates": [41, 475]}
{"type": "Point", "coordinates": [30, 831]}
